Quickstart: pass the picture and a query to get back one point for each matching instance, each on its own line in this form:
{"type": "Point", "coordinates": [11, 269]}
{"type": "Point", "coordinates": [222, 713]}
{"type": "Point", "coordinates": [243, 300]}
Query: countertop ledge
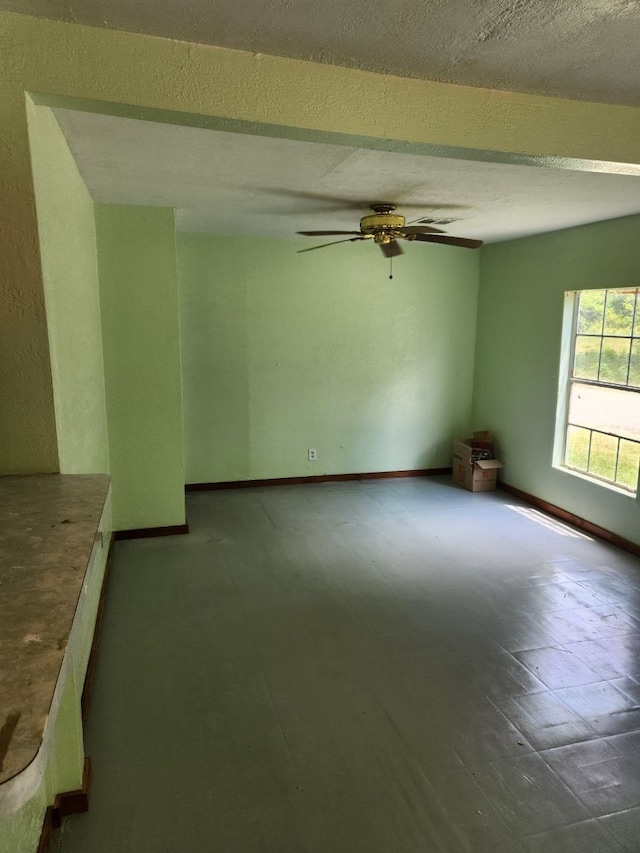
{"type": "Point", "coordinates": [48, 527]}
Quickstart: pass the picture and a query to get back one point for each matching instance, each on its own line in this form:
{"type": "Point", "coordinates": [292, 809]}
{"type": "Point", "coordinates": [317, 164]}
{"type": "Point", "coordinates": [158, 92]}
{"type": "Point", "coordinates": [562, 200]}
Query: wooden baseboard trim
{"type": "Point", "coordinates": [147, 532]}
{"type": "Point", "coordinates": [316, 478]}
{"type": "Point", "coordinates": [73, 802]}
{"type": "Point", "coordinates": [44, 844]}
{"type": "Point", "coordinates": [575, 520]}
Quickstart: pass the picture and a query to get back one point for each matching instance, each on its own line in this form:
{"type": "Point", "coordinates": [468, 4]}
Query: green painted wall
{"type": "Point", "coordinates": [518, 351]}
{"type": "Point", "coordinates": [282, 352]}
{"type": "Point", "coordinates": [67, 60]}
{"type": "Point", "coordinates": [140, 333]}
{"type": "Point", "coordinates": [70, 277]}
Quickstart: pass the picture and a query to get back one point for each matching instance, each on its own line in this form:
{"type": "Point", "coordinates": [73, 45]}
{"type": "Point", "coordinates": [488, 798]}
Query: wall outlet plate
{"type": "Point", "coordinates": [313, 454]}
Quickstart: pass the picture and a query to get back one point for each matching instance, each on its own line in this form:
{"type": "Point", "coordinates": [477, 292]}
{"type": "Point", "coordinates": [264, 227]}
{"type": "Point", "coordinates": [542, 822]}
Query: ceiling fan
{"type": "Point", "coordinates": [385, 227]}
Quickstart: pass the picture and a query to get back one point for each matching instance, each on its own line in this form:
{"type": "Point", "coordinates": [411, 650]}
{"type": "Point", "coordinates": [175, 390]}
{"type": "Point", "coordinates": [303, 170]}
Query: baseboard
{"type": "Point", "coordinates": [68, 803]}
{"type": "Point", "coordinates": [575, 520]}
{"type": "Point", "coordinates": [315, 478]}
{"type": "Point", "coordinates": [44, 844]}
{"type": "Point", "coordinates": [147, 532]}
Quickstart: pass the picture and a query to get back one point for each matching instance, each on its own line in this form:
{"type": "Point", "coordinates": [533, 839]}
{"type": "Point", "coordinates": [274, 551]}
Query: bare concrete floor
{"type": "Point", "coordinates": [391, 666]}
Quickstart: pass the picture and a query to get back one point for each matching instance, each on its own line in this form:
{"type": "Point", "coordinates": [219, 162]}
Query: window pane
{"type": "Point", "coordinates": [614, 362]}
{"type": "Point", "coordinates": [587, 357]}
{"type": "Point", "coordinates": [602, 460]}
{"type": "Point", "coordinates": [619, 313]}
{"type": "Point", "coordinates": [628, 464]}
{"type": "Point", "coordinates": [577, 452]}
{"type": "Point", "coordinates": [591, 312]}
{"type": "Point", "coordinates": [603, 421]}
{"type": "Point", "coordinates": [634, 370]}
{"type": "Point", "coordinates": [607, 409]}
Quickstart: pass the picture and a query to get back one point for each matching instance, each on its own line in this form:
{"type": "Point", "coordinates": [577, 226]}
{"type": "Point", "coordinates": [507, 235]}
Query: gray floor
{"type": "Point", "coordinates": [391, 666]}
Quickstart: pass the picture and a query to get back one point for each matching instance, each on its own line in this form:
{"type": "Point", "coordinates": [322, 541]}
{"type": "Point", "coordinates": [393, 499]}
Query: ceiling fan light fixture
{"type": "Point", "coordinates": [383, 237]}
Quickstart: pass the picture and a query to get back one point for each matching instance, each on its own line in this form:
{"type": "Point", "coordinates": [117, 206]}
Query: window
{"type": "Point", "coordinates": [600, 409]}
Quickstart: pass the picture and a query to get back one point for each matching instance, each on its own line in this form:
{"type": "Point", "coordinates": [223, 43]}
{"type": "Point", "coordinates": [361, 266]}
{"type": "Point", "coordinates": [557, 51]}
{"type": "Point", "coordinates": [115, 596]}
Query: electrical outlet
{"type": "Point", "coordinates": [313, 454]}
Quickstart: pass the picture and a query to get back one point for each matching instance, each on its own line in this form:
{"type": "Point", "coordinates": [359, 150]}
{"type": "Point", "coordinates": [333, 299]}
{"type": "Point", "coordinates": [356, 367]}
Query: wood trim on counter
{"type": "Point", "coordinates": [65, 804]}
{"type": "Point", "coordinates": [73, 802]}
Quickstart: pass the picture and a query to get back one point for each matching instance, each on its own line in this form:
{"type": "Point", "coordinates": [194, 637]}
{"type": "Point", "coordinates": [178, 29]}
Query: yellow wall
{"type": "Point", "coordinates": [81, 62]}
{"type": "Point", "coordinates": [70, 276]}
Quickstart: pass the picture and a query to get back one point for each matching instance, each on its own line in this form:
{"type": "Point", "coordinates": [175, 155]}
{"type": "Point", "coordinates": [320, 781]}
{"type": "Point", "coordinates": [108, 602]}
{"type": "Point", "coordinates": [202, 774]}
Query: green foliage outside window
{"type": "Point", "coordinates": [608, 337]}
{"type": "Point", "coordinates": [606, 353]}
{"type": "Point", "coordinates": [602, 460]}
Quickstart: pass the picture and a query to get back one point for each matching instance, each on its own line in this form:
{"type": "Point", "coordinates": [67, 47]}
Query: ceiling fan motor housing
{"type": "Point", "coordinates": [381, 226]}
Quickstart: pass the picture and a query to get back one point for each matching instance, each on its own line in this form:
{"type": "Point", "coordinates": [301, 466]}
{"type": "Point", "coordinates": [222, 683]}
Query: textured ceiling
{"type": "Point", "coordinates": [585, 50]}
{"type": "Point", "coordinates": [233, 183]}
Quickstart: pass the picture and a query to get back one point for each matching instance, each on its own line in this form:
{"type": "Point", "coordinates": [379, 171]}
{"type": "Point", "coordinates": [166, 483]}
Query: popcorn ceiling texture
{"type": "Point", "coordinates": [574, 50]}
{"type": "Point", "coordinates": [244, 183]}
{"type": "Point", "coordinates": [77, 61]}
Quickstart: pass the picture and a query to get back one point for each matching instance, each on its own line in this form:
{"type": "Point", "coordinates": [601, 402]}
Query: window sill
{"type": "Point", "coordinates": [596, 481]}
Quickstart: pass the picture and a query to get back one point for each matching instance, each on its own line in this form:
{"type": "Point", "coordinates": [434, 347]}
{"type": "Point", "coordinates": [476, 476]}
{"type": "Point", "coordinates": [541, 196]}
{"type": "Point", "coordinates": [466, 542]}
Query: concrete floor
{"type": "Point", "coordinates": [392, 666]}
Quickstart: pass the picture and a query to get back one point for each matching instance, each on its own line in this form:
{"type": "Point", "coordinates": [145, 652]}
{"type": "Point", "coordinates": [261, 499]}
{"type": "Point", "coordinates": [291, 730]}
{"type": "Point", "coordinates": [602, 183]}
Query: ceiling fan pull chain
{"type": "Point", "coordinates": [391, 267]}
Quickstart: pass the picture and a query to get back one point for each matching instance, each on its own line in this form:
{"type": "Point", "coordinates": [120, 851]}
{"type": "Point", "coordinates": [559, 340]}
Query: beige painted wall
{"type": "Point", "coordinates": [74, 61]}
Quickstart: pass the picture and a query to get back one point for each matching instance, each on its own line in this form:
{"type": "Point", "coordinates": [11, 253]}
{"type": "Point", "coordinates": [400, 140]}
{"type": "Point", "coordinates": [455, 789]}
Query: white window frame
{"type": "Point", "coordinates": [566, 379]}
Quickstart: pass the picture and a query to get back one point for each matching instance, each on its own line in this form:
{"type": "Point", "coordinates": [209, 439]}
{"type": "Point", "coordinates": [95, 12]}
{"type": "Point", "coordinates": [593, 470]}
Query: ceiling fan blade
{"type": "Point", "coordinates": [450, 241]}
{"type": "Point", "coordinates": [421, 229]}
{"type": "Point", "coordinates": [434, 211]}
{"type": "Point", "coordinates": [319, 201]}
{"type": "Point", "coordinates": [326, 233]}
{"type": "Point", "coordinates": [392, 249]}
{"type": "Point", "coordinates": [335, 243]}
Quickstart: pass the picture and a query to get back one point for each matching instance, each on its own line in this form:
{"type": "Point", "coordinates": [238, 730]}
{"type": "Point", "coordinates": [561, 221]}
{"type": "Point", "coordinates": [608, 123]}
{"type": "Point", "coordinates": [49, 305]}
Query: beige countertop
{"type": "Point", "coordinates": [48, 526]}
